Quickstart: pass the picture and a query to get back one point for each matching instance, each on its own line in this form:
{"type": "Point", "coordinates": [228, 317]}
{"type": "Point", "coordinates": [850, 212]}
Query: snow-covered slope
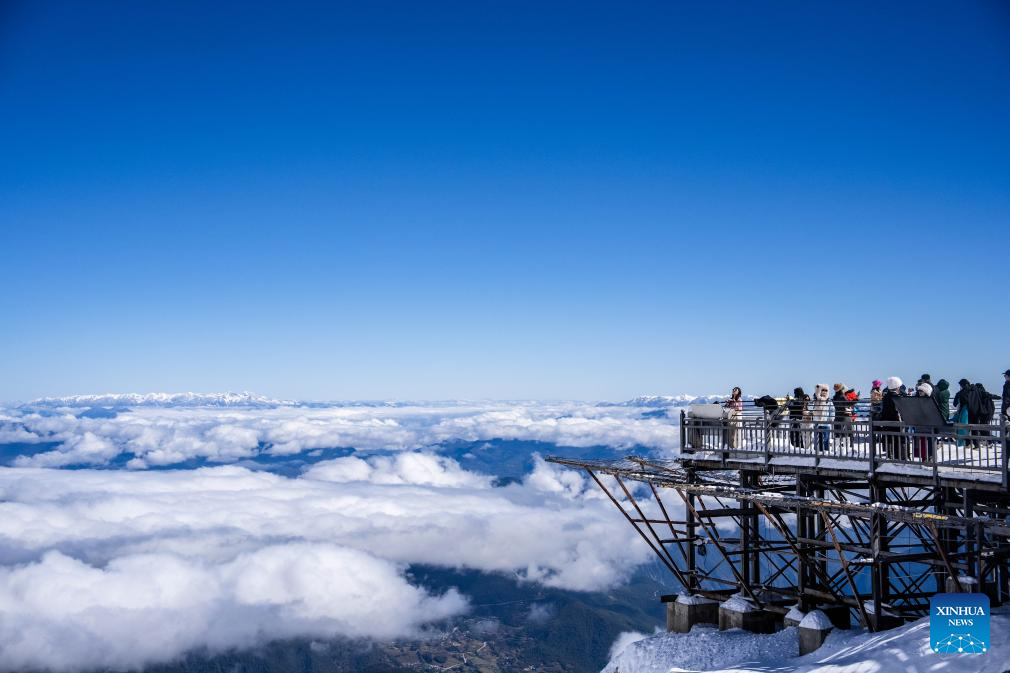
{"type": "Point", "coordinates": [905, 649]}
{"type": "Point", "coordinates": [229, 399]}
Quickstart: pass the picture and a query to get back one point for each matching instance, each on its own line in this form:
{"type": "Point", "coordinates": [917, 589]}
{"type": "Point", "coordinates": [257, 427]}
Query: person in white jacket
{"type": "Point", "coordinates": [822, 413]}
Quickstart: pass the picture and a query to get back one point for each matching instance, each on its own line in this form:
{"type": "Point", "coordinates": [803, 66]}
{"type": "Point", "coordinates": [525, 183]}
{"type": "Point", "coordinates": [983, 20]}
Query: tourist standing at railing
{"type": "Point", "coordinates": [822, 412]}
{"type": "Point", "coordinates": [734, 408]}
{"type": "Point", "coordinates": [942, 396]}
{"type": "Point", "coordinates": [796, 407]}
{"type": "Point", "coordinates": [876, 396]}
{"type": "Point", "coordinates": [966, 401]}
{"type": "Point", "coordinates": [986, 411]}
{"type": "Point", "coordinates": [925, 378]}
{"type": "Point", "coordinates": [895, 442]}
{"type": "Point", "coordinates": [923, 446]}
{"type": "Point", "coordinates": [843, 414]}
{"type": "Point", "coordinates": [1006, 395]}
{"type": "Point", "coordinates": [852, 395]}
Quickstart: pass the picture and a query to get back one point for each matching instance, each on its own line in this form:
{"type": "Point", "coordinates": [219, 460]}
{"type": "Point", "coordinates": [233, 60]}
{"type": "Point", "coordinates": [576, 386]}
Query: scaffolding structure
{"type": "Point", "coordinates": [856, 527]}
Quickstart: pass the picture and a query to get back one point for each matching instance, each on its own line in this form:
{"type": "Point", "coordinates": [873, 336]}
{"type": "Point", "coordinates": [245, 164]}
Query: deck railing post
{"type": "Point", "coordinates": [768, 440]}
{"type": "Point", "coordinates": [1003, 461]}
{"type": "Point", "coordinates": [683, 431]}
{"type": "Point", "coordinates": [934, 443]}
{"type": "Point", "coordinates": [873, 448]}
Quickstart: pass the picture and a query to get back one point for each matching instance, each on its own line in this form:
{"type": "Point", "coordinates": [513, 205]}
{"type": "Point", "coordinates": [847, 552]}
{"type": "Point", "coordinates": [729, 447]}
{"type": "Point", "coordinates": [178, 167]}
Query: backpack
{"type": "Point", "coordinates": [987, 408]}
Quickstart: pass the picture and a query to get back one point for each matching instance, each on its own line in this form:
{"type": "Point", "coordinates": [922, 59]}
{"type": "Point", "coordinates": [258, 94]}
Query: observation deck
{"type": "Point", "coordinates": [929, 452]}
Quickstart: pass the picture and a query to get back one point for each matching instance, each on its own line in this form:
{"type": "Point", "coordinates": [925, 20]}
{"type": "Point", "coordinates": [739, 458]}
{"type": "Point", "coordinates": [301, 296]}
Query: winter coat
{"type": "Point", "coordinates": [967, 398]}
{"type": "Point", "coordinates": [932, 389]}
{"type": "Point", "coordinates": [985, 404]}
{"type": "Point", "coordinates": [942, 396]}
{"type": "Point", "coordinates": [1006, 398]}
{"type": "Point", "coordinates": [841, 406]}
{"type": "Point", "coordinates": [852, 397]}
{"type": "Point", "coordinates": [796, 407]}
{"type": "Point", "coordinates": [822, 411]}
{"type": "Point", "coordinates": [888, 409]}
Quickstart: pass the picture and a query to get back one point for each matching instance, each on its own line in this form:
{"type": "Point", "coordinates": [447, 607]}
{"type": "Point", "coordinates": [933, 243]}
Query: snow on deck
{"type": "Point", "coordinates": [709, 650]}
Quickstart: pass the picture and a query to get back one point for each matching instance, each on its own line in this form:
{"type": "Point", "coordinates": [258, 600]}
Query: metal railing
{"type": "Point", "coordinates": [973, 451]}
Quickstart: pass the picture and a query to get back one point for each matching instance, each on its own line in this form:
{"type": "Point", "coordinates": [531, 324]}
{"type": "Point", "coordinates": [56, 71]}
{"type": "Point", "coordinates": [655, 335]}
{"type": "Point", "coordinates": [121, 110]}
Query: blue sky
{"type": "Point", "coordinates": [475, 199]}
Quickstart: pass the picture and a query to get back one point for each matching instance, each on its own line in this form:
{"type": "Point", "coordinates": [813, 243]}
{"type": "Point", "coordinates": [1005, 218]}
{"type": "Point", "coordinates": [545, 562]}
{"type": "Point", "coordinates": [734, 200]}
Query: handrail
{"type": "Point", "coordinates": [966, 447]}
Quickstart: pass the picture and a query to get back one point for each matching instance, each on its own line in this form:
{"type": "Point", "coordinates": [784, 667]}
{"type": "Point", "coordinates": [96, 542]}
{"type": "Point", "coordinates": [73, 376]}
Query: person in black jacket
{"type": "Point", "coordinates": [843, 415]}
{"type": "Point", "coordinates": [985, 404]}
{"type": "Point", "coordinates": [838, 399]}
{"type": "Point", "coordinates": [1006, 394]}
{"type": "Point", "coordinates": [895, 442]}
{"type": "Point", "coordinates": [986, 410]}
{"type": "Point", "coordinates": [796, 407]}
{"type": "Point", "coordinates": [966, 402]}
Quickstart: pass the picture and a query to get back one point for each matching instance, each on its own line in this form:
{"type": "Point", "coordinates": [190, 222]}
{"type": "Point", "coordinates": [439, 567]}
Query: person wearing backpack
{"type": "Point", "coordinates": [987, 410]}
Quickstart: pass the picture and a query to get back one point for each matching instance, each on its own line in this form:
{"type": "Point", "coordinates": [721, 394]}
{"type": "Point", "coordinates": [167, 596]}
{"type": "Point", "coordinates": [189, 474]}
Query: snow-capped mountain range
{"type": "Point", "coordinates": [663, 401]}
{"type": "Point", "coordinates": [248, 400]}
{"type": "Point", "coordinates": [229, 399]}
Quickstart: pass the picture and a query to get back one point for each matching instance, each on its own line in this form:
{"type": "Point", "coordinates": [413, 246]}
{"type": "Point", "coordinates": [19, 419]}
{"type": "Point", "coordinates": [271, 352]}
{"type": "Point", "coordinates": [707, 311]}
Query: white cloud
{"type": "Point", "coordinates": [62, 614]}
{"type": "Point", "coordinates": [166, 436]}
{"type": "Point", "coordinates": [408, 467]}
{"type": "Point", "coordinates": [123, 568]}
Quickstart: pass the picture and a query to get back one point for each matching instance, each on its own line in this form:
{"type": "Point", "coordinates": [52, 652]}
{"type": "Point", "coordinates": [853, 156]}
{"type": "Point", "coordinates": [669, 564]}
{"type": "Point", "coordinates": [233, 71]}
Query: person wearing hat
{"type": "Point", "coordinates": [942, 396]}
{"type": "Point", "coordinates": [876, 396]}
{"type": "Point", "coordinates": [1006, 394]}
{"type": "Point", "coordinates": [925, 378]}
{"type": "Point", "coordinates": [895, 443]}
{"type": "Point", "coordinates": [822, 412]}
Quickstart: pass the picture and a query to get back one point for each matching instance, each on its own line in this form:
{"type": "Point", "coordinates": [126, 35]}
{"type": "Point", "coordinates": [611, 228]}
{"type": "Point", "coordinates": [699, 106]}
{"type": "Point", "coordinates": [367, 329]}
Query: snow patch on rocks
{"type": "Point", "coordinates": [816, 620]}
{"type": "Point", "coordinates": [703, 649]}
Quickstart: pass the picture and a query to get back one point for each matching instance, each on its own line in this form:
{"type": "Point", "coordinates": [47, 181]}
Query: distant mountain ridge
{"type": "Point", "coordinates": [228, 399]}
{"type": "Point", "coordinates": [249, 400]}
{"type": "Point", "coordinates": [663, 401]}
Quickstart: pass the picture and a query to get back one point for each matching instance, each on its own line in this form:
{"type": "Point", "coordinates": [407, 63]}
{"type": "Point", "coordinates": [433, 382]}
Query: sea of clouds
{"type": "Point", "coordinates": [159, 436]}
{"type": "Point", "coordinates": [121, 568]}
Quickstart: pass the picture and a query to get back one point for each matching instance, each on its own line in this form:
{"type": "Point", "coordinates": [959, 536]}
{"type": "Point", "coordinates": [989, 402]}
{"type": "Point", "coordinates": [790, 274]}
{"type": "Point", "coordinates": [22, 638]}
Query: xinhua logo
{"type": "Point", "coordinates": [959, 623]}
